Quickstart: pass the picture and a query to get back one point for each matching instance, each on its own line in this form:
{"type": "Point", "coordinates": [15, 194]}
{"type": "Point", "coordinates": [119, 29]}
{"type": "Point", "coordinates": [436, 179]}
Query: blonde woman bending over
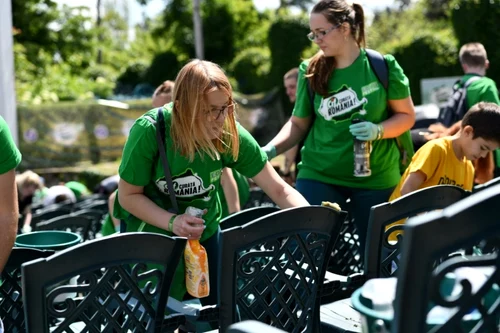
{"type": "Point", "coordinates": [202, 138]}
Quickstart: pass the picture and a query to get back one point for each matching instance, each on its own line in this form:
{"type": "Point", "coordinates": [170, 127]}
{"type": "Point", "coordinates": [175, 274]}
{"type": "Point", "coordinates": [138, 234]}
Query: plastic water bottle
{"type": "Point", "coordinates": [362, 151]}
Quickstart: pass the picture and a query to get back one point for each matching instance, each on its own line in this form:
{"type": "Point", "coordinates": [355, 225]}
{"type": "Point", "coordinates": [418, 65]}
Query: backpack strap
{"type": "Point", "coordinates": [310, 92]}
{"type": "Point", "coordinates": [379, 67]}
{"type": "Point", "coordinates": [160, 139]}
{"type": "Point", "coordinates": [471, 80]}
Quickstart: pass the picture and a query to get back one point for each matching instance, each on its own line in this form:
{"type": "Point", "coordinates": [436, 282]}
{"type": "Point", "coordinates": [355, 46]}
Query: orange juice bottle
{"type": "Point", "coordinates": [196, 264]}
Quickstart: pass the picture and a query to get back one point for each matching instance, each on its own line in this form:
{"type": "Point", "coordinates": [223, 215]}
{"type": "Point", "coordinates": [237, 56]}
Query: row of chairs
{"type": "Point", "coordinates": [272, 269]}
{"type": "Point", "coordinates": [122, 282]}
{"type": "Point", "coordinates": [84, 217]}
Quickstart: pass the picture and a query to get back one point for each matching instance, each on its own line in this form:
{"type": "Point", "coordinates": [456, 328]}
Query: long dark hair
{"type": "Point", "coordinates": [336, 12]}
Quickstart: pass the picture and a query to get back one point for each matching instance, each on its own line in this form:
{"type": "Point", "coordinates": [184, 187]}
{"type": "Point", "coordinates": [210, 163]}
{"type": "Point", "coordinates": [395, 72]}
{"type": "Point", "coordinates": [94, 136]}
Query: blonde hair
{"type": "Point", "coordinates": [189, 114]}
{"type": "Point", "coordinates": [28, 178]}
{"type": "Point", "coordinates": [473, 54]}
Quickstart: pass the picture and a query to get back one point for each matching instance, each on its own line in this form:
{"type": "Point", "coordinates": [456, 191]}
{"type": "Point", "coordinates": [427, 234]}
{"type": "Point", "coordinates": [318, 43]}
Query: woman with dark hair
{"type": "Point", "coordinates": [345, 87]}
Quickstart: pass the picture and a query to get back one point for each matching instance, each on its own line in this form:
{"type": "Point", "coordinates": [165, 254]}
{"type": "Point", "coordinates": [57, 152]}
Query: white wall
{"type": "Point", "coordinates": [7, 91]}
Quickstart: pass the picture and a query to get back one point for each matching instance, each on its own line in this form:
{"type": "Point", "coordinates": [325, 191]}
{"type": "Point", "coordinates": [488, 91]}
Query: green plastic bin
{"type": "Point", "coordinates": [48, 240]}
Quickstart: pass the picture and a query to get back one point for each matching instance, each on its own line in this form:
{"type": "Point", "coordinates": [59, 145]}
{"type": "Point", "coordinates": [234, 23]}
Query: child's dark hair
{"type": "Point", "coordinates": [484, 118]}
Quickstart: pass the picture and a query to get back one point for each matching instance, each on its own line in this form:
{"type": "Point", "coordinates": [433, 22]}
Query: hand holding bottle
{"type": "Point", "coordinates": [366, 131]}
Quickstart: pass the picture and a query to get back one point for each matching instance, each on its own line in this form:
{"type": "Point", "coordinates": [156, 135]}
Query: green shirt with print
{"type": "Point", "coordinates": [327, 155]}
{"type": "Point", "coordinates": [10, 156]}
{"type": "Point", "coordinates": [195, 183]}
{"type": "Point", "coordinates": [243, 192]}
{"type": "Point", "coordinates": [482, 90]}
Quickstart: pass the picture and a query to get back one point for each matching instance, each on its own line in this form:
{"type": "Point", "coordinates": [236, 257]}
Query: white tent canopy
{"type": "Point", "coordinates": [7, 91]}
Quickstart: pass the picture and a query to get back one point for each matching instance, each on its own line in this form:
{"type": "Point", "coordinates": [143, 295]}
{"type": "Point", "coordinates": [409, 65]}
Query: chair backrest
{"type": "Point", "coordinates": [481, 187]}
{"type": "Point", "coordinates": [382, 256]}
{"type": "Point", "coordinates": [245, 216]}
{"type": "Point", "coordinates": [11, 302]}
{"type": "Point", "coordinates": [77, 224]}
{"type": "Point", "coordinates": [117, 283]}
{"type": "Point", "coordinates": [49, 213]}
{"type": "Point", "coordinates": [272, 269]}
{"type": "Point", "coordinates": [96, 216]}
{"type": "Point", "coordinates": [433, 236]}
{"type": "Point", "coordinates": [101, 205]}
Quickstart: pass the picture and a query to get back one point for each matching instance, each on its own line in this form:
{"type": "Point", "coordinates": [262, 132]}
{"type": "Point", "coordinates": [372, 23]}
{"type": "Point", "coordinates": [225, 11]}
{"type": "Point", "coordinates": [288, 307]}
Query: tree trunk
{"type": "Point", "coordinates": [99, 36]}
{"type": "Point", "coordinates": [198, 30]}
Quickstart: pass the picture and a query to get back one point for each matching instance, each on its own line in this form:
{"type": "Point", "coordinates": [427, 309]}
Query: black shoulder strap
{"type": "Point", "coordinates": [310, 92]}
{"type": "Point", "coordinates": [160, 139]}
{"type": "Point", "coordinates": [471, 80]}
{"type": "Point", "coordinates": [379, 66]}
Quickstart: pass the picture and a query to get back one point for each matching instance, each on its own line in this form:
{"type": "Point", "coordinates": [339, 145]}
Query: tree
{"type": "Point", "coordinates": [302, 4]}
{"type": "Point", "coordinates": [32, 20]}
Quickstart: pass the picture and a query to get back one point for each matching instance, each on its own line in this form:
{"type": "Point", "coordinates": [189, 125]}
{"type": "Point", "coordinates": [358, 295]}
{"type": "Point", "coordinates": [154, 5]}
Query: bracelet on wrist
{"type": "Point", "coordinates": [380, 132]}
{"type": "Point", "coordinates": [171, 223]}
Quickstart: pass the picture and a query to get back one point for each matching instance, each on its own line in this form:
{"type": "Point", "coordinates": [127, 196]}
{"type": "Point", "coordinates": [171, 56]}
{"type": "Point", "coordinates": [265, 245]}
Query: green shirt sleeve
{"type": "Point", "coordinates": [302, 107]}
{"type": "Point", "coordinates": [483, 90]}
{"type": "Point", "coordinates": [399, 85]}
{"type": "Point", "coordinates": [140, 151]}
{"type": "Point", "coordinates": [251, 159]}
{"type": "Point", "coordinates": [10, 156]}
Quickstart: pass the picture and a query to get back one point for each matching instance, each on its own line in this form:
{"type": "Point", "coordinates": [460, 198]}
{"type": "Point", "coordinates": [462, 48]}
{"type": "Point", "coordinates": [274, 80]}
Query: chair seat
{"type": "Point", "coordinates": [340, 317]}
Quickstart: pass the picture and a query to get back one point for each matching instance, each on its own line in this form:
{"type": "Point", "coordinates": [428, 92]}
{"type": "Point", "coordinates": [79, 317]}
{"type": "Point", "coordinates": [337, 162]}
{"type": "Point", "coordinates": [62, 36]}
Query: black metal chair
{"type": "Point", "coordinates": [272, 269]}
{"type": "Point", "coordinates": [49, 213]}
{"type": "Point", "coordinates": [122, 284]}
{"type": "Point", "coordinates": [96, 216]}
{"type": "Point", "coordinates": [245, 216]}
{"type": "Point", "coordinates": [382, 255]}
{"type": "Point", "coordinates": [77, 224]}
{"type": "Point", "coordinates": [433, 236]}
{"type": "Point", "coordinates": [101, 205]}
{"type": "Point", "coordinates": [252, 326]}
{"type": "Point", "coordinates": [11, 303]}
{"type": "Point", "coordinates": [481, 187]}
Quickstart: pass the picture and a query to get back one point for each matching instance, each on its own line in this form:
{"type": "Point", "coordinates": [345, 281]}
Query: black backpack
{"type": "Point", "coordinates": [456, 106]}
{"type": "Point", "coordinates": [381, 70]}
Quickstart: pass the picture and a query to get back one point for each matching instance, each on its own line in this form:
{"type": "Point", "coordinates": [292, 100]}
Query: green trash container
{"type": "Point", "coordinates": [379, 321]}
{"type": "Point", "coordinates": [48, 240]}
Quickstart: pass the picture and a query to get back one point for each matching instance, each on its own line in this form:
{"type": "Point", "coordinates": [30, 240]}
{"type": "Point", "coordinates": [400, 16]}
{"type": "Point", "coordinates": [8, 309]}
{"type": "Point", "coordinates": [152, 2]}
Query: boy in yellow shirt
{"type": "Point", "coordinates": [447, 160]}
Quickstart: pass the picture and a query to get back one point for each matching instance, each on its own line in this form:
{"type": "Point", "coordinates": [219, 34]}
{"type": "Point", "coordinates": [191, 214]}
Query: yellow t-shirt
{"type": "Point", "coordinates": [441, 166]}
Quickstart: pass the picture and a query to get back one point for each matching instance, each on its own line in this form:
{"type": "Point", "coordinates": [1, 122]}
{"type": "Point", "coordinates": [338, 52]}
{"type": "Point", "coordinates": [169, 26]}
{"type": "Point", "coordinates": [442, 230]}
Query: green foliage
{"type": "Point", "coordinates": [31, 19]}
{"type": "Point", "coordinates": [477, 21]}
{"type": "Point", "coordinates": [287, 41]}
{"type": "Point", "coordinates": [164, 67]}
{"type": "Point", "coordinates": [133, 74]}
{"type": "Point", "coordinates": [250, 68]}
{"type": "Point", "coordinates": [424, 48]}
{"type": "Point", "coordinates": [440, 59]}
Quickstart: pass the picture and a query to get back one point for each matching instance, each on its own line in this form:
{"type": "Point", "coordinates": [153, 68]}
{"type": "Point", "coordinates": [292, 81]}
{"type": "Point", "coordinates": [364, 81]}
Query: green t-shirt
{"type": "Point", "coordinates": [196, 183]}
{"type": "Point", "coordinates": [243, 192]}
{"type": "Point", "coordinates": [327, 155]}
{"type": "Point", "coordinates": [78, 189]}
{"type": "Point", "coordinates": [482, 90]}
{"type": "Point", "coordinates": [10, 156]}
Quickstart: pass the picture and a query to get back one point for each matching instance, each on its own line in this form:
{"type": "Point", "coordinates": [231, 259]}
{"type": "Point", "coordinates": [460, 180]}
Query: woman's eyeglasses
{"type": "Point", "coordinates": [321, 34]}
{"type": "Point", "coordinates": [226, 110]}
